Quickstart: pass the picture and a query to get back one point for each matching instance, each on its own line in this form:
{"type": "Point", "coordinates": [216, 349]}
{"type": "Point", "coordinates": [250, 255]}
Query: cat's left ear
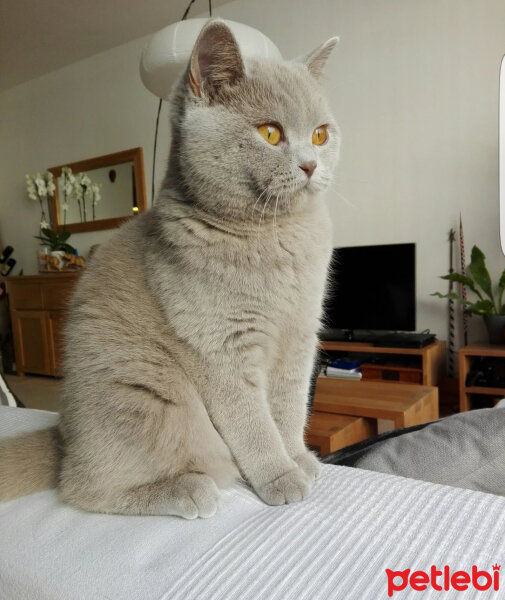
{"type": "Point", "coordinates": [316, 60]}
{"type": "Point", "coordinates": [215, 60]}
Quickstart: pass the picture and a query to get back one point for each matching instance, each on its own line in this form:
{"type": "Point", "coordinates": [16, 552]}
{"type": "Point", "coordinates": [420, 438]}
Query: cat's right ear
{"type": "Point", "coordinates": [215, 60]}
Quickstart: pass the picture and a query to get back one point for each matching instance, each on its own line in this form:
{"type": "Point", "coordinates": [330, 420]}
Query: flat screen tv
{"type": "Point", "coordinates": [372, 288]}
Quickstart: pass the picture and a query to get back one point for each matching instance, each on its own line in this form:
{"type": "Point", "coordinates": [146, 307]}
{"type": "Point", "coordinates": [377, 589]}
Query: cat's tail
{"type": "Point", "coordinates": [29, 463]}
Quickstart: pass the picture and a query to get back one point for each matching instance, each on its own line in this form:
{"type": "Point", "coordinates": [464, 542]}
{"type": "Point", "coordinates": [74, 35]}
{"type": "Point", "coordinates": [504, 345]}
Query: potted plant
{"type": "Point", "coordinates": [489, 302]}
{"type": "Point", "coordinates": [57, 243]}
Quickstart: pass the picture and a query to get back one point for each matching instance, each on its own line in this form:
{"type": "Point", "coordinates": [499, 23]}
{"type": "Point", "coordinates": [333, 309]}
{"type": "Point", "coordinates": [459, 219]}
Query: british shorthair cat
{"type": "Point", "coordinates": [192, 333]}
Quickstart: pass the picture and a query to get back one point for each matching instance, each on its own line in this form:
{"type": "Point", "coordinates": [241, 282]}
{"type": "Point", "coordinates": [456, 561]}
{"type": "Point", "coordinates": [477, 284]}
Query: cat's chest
{"type": "Point", "coordinates": [261, 284]}
{"type": "Point", "coordinates": [286, 261]}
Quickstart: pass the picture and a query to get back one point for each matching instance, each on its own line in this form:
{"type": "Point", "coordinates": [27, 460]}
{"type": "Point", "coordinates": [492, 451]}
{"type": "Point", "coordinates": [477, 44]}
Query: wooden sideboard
{"type": "Point", "coordinates": [38, 309]}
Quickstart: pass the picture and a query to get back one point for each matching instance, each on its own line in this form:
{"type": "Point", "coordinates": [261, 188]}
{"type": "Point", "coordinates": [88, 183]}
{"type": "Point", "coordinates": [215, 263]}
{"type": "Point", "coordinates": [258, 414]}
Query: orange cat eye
{"type": "Point", "coordinates": [271, 133]}
{"type": "Point", "coordinates": [320, 135]}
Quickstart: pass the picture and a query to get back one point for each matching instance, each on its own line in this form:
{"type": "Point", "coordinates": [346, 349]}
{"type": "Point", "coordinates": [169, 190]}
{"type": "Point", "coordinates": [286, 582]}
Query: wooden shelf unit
{"type": "Point", "coordinates": [466, 356]}
{"type": "Point", "coordinates": [431, 360]}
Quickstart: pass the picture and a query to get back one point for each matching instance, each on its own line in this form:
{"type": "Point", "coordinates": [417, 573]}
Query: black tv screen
{"type": "Point", "coordinates": [372, 288]}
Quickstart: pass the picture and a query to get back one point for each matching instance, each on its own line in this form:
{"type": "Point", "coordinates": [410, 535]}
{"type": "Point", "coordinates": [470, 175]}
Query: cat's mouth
{"type": "Point", "coordinates": [294, 188]}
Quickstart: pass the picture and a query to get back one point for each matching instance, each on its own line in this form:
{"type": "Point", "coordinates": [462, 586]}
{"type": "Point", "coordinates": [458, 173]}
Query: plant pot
{"type": "Point", "coordinates": [59, 255]}
{"type": "Point", "coordinates": [495, 325]}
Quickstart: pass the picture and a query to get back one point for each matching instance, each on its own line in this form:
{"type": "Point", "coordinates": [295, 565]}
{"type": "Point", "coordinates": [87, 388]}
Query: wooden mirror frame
{"type": "Point", "coordinates": [134, 155]}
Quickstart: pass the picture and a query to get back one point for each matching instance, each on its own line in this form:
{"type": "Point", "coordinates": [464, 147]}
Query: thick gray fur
{"type": "Point", "coordinates": [192, 333]}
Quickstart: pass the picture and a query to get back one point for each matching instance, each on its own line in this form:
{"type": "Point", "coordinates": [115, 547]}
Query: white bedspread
{"type": "Point", "coordinates": [336, 545]}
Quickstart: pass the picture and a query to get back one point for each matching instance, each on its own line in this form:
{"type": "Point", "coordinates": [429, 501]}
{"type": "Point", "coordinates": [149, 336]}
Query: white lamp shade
{"type": "Point", "coordinates": [169, 51]}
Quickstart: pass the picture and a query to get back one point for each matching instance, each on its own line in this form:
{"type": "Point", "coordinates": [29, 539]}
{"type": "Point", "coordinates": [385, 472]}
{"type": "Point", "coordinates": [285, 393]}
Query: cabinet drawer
{"type": "Point", "coordinates": [57, 294]}
{"type": "Point", "coordinates": [373, 372]}
{"type": "Point", "coordinates": [26, 296]}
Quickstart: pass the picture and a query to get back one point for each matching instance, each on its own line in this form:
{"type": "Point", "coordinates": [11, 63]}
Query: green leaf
{"type": "Point", "coordinates": [479, 272]}
{"type": "Point", "coordinates": [43, 241]}
{"type": "Point", "coordinates": [452, 296]}
{"type": "Point", "coordinates": [482, 307]}
{"type": "Point", "coordinates": [464, 279]}
{"type": "Point", "coordinates": [64, 235]}
{"type": "Point", "coordinates": [501, 288]}
{"type": "Point", "coordinates": [501, 283]}
{"type": "Point", "coordinates": [50, 234]}
{"type": "Point", "coordinates": [458, 278]}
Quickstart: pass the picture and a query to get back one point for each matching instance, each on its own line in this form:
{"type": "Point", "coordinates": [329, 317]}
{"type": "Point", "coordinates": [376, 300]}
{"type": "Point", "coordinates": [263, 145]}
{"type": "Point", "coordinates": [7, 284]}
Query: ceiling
{"type": "Point", "coordinates": [37, 37]}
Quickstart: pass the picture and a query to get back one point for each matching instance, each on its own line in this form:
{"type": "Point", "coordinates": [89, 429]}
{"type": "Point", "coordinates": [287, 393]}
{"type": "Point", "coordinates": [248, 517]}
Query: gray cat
{"type": "Point", "coordinates": [192, 334]}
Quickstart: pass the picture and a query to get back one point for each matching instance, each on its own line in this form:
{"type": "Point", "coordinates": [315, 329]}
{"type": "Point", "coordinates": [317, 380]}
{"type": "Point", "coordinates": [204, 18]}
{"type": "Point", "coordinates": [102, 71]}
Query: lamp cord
{"type": "Point", "coordinates": [161, 102]}
{"type": "Point", "coordinates": [154, 150]}
{"type": "Point", "coordinates": [187, 10]}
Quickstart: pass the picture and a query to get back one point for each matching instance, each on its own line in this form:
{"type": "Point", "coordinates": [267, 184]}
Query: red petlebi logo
{"type": "Point", "coordinates": [444, 579]}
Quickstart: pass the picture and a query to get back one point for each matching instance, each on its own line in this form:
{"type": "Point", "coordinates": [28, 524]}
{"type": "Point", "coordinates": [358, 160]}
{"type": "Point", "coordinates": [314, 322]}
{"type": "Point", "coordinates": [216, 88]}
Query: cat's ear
{"type": "Point", "coordinates": [215, 60]}
{"type": "Point", "coordinates": [315, 61]}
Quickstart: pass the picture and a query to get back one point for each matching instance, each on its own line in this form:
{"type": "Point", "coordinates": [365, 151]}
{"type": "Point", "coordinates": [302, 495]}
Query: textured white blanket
{"type": "Point", "coordinates": [336, 545]}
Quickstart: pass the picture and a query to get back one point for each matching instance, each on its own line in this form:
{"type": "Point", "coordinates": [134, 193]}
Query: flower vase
{"type": "Point", "coordinates": [59, 254]}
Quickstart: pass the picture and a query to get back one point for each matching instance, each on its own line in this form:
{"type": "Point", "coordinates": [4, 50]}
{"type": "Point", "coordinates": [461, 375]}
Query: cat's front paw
{"type": "Point", "coordinates": [290, 487]}
{"type": "Point", "coordinates": [310, 464]}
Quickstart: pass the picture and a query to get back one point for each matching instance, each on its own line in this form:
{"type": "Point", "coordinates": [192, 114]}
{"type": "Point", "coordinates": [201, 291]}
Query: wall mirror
{"type": "Point", "coordinates": [100, 193]}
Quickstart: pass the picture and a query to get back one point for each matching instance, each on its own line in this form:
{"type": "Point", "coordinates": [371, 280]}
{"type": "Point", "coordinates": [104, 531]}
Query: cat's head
{"type": "Point", "coordinates": [253, 136]}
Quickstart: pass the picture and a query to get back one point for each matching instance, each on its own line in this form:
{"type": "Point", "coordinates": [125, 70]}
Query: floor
{"type": "Point", "coordinates": [36, 392]}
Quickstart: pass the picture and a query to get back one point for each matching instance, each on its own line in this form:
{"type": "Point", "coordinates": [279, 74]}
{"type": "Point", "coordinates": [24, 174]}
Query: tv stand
{"type": "Point", "coordinates": [402, 365]}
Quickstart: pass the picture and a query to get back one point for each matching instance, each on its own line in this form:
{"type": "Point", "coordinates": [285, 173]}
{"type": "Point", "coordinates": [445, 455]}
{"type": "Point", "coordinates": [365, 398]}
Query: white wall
{"type": "Point", "coordinates": [414, 86]}
{"type": "Point", "coordinates": [96, 106]}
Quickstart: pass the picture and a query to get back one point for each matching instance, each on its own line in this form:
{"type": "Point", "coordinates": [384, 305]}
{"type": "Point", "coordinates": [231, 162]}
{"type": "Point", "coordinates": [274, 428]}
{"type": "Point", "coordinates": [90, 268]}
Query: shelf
{"type": "Point", "coordinates": [484, 349]}
{"type": "Point", "coordinates": [378, 366]}
{"type": "Point", "coordinates": [363, 347]}
{"type": "Point", "coordinates": [467, 358]}
{"type": "Point", "coordinates": [485, 391]}
{"type": "Point", "coordinates": [426, 365]}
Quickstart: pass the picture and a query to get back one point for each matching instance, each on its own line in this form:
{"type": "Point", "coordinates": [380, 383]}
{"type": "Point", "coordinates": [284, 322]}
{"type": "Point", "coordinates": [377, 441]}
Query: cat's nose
{"type": "Point", "coordinates": [309, 167]}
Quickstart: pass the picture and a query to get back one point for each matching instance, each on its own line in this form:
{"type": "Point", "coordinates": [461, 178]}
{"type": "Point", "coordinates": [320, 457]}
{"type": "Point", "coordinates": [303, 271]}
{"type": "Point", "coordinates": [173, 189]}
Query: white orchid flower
{"type": "Point", "coordinates": [41, 185]}
{"type": "Point", "coordinates": [64, 206]}
{"type": "Point", "coordinates": [44, 225]}
{"type": "Point", "coordinates": [30, 188]}
{"type": "Point", "coordinates": [50, 188]}
{"type": "Point", "coordinates": [77, 188]}
{"type": "Point", "coordinates": [96, 193]}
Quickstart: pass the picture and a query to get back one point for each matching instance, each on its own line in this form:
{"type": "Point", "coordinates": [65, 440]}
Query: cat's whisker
{"type": "Point", "coordinates": [263, 212]}
{"type": "Point", "coordinates": [346, 200]}
{"type": "Point", "coordinates": [269, 197]}
{"type": "Point", "coordinates": [258, 200]}
{"type": "Point", "coordinates": [275, 220]}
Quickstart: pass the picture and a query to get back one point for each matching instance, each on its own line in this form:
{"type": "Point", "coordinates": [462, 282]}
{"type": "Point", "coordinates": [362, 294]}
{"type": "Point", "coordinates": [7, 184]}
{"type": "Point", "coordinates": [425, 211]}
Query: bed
{"type": "Point", "coordinates": [335, 545]}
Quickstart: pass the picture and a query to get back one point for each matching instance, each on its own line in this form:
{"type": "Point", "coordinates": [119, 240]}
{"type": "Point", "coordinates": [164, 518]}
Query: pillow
{"type": "Point", "coordinates": [466, 450]}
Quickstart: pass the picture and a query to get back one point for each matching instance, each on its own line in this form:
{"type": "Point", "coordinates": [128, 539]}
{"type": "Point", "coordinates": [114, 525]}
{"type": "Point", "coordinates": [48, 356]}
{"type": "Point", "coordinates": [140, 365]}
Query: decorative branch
{"type": "Point", "coordinates": [451, 353]}
{"type": "Point", "coordinates": [462, 284]}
